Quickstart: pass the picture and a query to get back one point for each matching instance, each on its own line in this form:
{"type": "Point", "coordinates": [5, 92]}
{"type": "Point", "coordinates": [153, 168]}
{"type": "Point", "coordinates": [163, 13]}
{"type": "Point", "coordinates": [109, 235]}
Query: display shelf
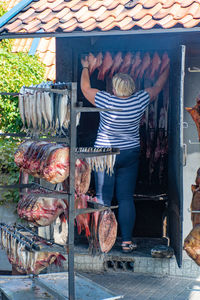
{"type": "Point", "coordinates": [74, 153]}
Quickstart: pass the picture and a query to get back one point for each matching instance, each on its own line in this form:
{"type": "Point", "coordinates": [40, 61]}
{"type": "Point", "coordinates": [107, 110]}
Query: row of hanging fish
{"type": "Point", "coordinates": [44, 111]}
{"type": "Point", "coordinates": [100, 163]}
{"type": "Point", "coordinates": [50, 161]}
{"type": "Point", "coordinates": [135, 64]}
{"type": "Point", "coordinates": [27, 252]}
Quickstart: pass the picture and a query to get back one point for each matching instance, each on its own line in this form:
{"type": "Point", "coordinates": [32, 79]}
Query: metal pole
{"type": "Point", "coordinates": [71, 275]}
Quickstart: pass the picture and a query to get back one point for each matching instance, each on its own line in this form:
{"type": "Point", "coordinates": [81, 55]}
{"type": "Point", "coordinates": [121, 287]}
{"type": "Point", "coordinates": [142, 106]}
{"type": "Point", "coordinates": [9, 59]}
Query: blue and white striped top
{"type": "Point", "coordinates": [120, 129]}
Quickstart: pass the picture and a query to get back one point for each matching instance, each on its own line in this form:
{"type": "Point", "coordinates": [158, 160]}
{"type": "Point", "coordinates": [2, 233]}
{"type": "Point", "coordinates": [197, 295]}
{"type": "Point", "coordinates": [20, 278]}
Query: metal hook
{"type": "Point", "coordinates": [194, 143]}
{"type": "Point", "coordinates": [185, 125]}
{"type": "Point", "coordinates": [194, 70]}
{"type": "Point", "coordinates": [194, 211]}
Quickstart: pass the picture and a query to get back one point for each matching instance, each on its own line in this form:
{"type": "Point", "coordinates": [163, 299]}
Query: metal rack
{"type": "Point", "coordinates": [74, 153]}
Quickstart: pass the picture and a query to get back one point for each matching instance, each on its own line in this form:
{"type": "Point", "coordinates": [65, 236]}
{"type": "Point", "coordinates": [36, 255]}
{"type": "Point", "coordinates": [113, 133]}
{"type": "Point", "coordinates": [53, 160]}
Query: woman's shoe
{"type": "Point", "coordinates": [128, 248]}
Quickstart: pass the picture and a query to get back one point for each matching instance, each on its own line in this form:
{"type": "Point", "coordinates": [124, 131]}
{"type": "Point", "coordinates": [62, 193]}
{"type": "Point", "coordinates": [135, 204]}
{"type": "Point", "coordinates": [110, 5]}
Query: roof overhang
{"type": "Point", "coordinates": [99, 33]}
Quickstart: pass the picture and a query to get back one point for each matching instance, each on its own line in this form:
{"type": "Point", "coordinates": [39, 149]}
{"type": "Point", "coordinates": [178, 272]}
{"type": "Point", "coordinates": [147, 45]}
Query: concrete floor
{"type": "Point", "coordinates": [147, 287]}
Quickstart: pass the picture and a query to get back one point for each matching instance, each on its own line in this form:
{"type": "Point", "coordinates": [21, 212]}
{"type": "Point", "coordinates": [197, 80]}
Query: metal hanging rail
{"type": "Point", "coordinates": [9, 94]}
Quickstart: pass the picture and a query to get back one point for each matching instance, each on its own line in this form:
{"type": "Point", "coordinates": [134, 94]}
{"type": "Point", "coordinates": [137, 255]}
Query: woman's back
{"type": "Point", "coordinates": [120, 129]}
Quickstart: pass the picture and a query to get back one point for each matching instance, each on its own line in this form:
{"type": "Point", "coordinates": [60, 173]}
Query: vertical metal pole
{"type": "Point", "coordinates": [71, 275]}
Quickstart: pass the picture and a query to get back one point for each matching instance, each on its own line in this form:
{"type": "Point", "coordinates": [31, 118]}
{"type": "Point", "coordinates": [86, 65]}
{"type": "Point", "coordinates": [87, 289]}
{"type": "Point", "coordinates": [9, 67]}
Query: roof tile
{"type": "Point", "coordinates": [81, 12]}
{"type": "Point", "coordinates": [48, 4]}
{"type": "Point", "coordinates": [170, 23]}
{"type": "Point", "coordinates": [191, 23]}
{"type": "Point", "coordinates": [114, 4]}
{"type": "Point", "coordinates": [169, 3]}
{"type": "Point", "coordinates": [44, 16]}
{"type": "Point", "coordinates": [22, 45]}
{"type": "Point", "coordinates": [106, 22]}
{"type": "Point", "coordinates": [124, 22]}
{"type": "Point", "coordinates": [96, 5]}
{"type": "Point", "coordinates": [72, 4]}
{"type": "Point", "coordinates": [129, 25]}
{"type": "Point", "coordinates": [194, 8]}
{"type": "Point", "coordinates": [101, 10]}
{"type": "Point", "coordinates": [53, 22]}
{"type": "Point", "coordinates": [88, 23]}
{"type": "Point", "coordinates": [150, 3]}
{"type": "Point", "coordinates": [70, 28]}
{"type": "Point", "coordinates": [115, 13]}
{"type": "Point", "coordinates": [162, 13]}
{"type": "Point", "coordinates": [186, 19]}
{"type": "Point", "coordinates": [132, 3]}
{"type": "Point", "coordinates": [14, 25]}
{"type": "Point", "coordinates": [197, 14]}
{"type": "Point", "coordinates": [150, 24]}
{"type": "Point", "coordinates": [143, 21]}
{"type": "Point", "coordinates": [36, 4]}
{"type": "Point", "coordinates": [129, 12]}
{"type": "Point", "coordinates": [143, 12]}
{"type": "Point", "coordinates": [69, 23]}
{"type": "Point", "coordinates": [165, 20]}
{"type": "Point", "coordinates": [60, 7]}
{"type": "Point", "coordinates": [27, 14]}
{"type": "Point", "coordinates": [12, 3]}
{"type": "Point", "coordinates": [32, 24]}
{"type": "Point", "coordinates": [67, 17]}
{"type": "Point", "coordinates": [187, 3]}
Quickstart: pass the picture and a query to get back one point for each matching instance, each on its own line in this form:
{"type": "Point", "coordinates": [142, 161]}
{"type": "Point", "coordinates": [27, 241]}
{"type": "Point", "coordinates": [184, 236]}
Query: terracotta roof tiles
{"type": "Point", "coordinates": [46, 46]}
{"type": "Point", "coordinates": [88, 15]}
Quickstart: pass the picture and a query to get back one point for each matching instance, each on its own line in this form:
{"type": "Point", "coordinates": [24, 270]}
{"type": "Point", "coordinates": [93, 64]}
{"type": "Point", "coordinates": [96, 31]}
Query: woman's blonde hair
{"type": "Point", "coordinates": [123, 85]}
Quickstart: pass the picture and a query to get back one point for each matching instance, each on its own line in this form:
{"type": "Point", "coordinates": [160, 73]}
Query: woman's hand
{"type": "Point", "coordinates": [85, 62]}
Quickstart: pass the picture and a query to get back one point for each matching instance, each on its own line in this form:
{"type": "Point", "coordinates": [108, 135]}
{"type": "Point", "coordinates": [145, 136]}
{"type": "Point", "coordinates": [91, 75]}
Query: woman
{"type": "Point", "coordinates": [120, 129]}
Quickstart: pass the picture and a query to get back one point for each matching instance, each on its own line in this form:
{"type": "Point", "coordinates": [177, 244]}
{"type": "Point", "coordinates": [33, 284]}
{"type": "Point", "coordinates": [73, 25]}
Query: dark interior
{"type": "Point", "coordinates": [157, 217]}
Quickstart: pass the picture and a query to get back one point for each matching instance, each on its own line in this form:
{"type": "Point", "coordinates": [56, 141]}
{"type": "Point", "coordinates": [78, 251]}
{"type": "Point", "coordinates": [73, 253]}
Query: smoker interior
{"type": "Point", "coordinates": [151, 211]}
{"type": "Point", "coordinates": [155, 218]}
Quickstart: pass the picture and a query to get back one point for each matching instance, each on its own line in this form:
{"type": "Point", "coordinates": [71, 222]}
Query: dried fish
{"type": "Point", "coordinates": [21, 107]}
{"type": "Point", "coordinates": [33, 112]}
{"type": "Point", "coordinates": [56, 112]}
{"type": "Point", "coordinates": [44, 115]}
{"type": "Point", "coordinates": [27, 109]}
{"type": "Point", "coordinates": [48, 99]}
{"type": "Point", "coordinates": [39, 111]}
{"type": "Point", "coordinates": [67, 118]}
{"type": "Point", "coordinates": [62, 109]}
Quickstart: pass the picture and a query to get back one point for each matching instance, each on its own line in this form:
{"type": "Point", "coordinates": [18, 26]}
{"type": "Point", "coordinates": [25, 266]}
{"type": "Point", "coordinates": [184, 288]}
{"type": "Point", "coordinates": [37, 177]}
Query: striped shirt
{"type": "Point", "coordinates": [120, 129]}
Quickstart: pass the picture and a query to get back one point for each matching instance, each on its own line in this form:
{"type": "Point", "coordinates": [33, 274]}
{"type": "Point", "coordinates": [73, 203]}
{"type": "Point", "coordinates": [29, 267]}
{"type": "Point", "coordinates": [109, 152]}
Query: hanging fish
{"type": "Point", "coordinates": [21, 107]}
{"type": "Point", "coordinates": [56, 112]}
{"type": "Point", "coordinates": [62, 109]}
{"type": "Point", "coordinates": [39, 111]}
{"type": "Point", "coordinates": [44, 115]}
{"type": "Point", "coordinates": [48, 100]}
{"type": "Point", "coordinates": [67, 118]}
{"type": "Point", "coordinates": [33, 111]}
{"type": "Point", "coordinates": [27, 109]}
